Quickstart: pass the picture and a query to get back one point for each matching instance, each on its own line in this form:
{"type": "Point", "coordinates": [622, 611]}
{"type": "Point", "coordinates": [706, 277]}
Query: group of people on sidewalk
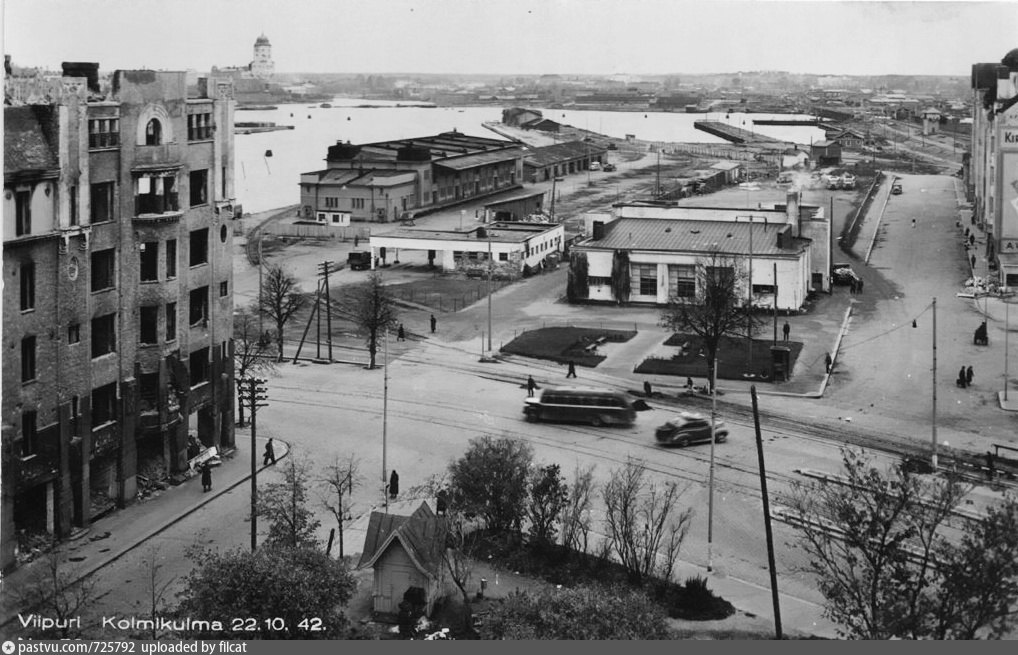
{"type": "Point", "coordinates": [964, 377]}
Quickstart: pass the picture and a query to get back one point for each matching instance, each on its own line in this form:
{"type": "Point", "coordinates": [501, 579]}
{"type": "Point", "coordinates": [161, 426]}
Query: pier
{"type": "Point", "coordinates": [736, 134]}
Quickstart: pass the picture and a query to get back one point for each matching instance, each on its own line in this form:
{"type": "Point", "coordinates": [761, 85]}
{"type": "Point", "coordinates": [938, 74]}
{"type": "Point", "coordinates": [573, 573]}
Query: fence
{"type": "Point", "coordinates": [445, 301]}
{"type": "Point", "coordinates": [711, 150]}
{"type": "Point", "coordinates": [304, 231]}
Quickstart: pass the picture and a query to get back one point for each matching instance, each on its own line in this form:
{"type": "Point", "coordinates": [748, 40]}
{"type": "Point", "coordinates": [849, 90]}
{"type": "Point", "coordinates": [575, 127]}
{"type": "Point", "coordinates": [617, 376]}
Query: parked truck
{"type": "Point", "coordinates": [359, 260]}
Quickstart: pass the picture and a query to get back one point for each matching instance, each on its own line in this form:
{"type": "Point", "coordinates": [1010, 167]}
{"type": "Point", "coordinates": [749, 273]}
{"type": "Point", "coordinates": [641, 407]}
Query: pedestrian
{"type": "Point", "coordinates": [689, 385]}
{"type": "Point", "coordinates": [913, 223]}
{"type": "Point", "coordinates": [858, 288]}
{"type": "Point", "coordinates": [393, 485]}
{"type": "Point", "coordinates": [973, 261]}
{"type": "Point", "coordinates": [968, 376]}
{"type": "Point", "coordinates": [356, 240]}
{"type": "Point", "coordinates": [966, 233]}
{"type": "Point", "coordinates": [851, 289]}
{"type": "Point", "coordinates": [433, 323]}
{"type": "Point", "coordinates": [206, 477]}
{"type": "Point", "coordinates": [441, 502]}
{"type": "Point", "coordinates": [962, 380]}
{"type": "Point", "coordinates": [531, 385]}
{"type": "Point", "coordinates": [572, 369]}
{"type": "Point", "coordinates": [786, 329]}
{"type": "Point", "coordinates": [972, 239]}
{"type": "Point", "coordinates": [400, 333]}
{"type": "Point", "coordinates": [270, 453]}
{"type": "Point", "coordinates": [828, 361]}
{"type": "Point", "coordinates": [647, 390]}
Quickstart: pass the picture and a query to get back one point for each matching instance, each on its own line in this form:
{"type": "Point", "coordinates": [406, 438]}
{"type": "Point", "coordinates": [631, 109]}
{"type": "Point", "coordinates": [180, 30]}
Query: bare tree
{"type": "Point", "coordinates": [457, 558]}
{"type": "Point", "coordinates": [576, 515]}
{"type": "Point", "coordinates": [252, 354]}
{"type": "Point", "coordinates": [281, 298]}
{"type": "Point", "coordinates": [156, 587]}
{"type": "Point", "coordinates": [373, 310]}
{"type": "Point", "coordinates": [549, 496]}
{"type": "Point", "coordinates": [716, 309]}
{"type": "Point", "coordinates": [340, 478]}
{"type": "Point", "coordinates": [888, 568]}
{"type": "Point", "coordinates": [639, 515]}
{"type": "Point", "coordinates": [54, 590]}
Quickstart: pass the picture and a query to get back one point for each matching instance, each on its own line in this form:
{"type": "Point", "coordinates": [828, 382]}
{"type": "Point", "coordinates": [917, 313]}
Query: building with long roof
{"type": "Point", "coordinates": [384, 181]}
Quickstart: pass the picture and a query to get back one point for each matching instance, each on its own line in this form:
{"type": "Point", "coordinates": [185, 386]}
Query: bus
{"type": "Point", "coordinates": [595, 406]}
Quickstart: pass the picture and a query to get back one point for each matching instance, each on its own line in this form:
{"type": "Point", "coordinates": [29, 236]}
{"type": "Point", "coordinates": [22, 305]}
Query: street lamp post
{"type": "Point", "coordinates": [385, 415]}
{"type": "Point", "coordinates": [934, 428]}
{"type": "Point", "coordinates": [1007, 327]}
{"type": "Point", "coordinates": [488, 231]}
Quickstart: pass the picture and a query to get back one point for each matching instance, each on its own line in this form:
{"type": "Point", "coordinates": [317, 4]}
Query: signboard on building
{"type": "Point", "coordinates": [1008, 197]}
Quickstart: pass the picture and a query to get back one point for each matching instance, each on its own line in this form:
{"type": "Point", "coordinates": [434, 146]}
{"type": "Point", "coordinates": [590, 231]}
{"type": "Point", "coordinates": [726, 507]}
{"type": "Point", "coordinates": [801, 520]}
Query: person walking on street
{"type": "Point", "coordinates": [827, 362]}
{"type": "Point", "coordinates": [851, 289]}
{"type": "Point", "coordinates": [531, 385]}
{"type": "Point", "coordinates": [433, 323]}
{"type": "Point", "coordinates": [968, 376]}
{"type": "Point", "coordinates": [400, 333]}
{"type": "Point", "coordinates": [270, 453]}
{"type": "Point", "coordinates": [206, 477]}
{"type": "Point", "coordinates": [858, 287]}
{"type": "Point", "coordinates": [913, 223]}
{"type": "Point", "coordinates": [786, 329]}
{"type": "Point", "coordinates": [962, 380]}
{"type": "Point", "coordinates": [393, 485]}
{"type": "Point", "coordinates": [572, 369]}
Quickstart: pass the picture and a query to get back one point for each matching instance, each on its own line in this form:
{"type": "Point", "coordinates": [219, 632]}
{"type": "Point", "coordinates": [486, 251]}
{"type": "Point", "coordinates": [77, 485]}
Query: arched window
{"type": "Point", "coordinates": [153, 133]}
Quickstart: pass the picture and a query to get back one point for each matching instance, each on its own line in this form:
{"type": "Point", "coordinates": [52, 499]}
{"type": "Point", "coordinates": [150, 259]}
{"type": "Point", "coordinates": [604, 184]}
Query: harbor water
{"type": "Point", "coordinates": [265, 181]}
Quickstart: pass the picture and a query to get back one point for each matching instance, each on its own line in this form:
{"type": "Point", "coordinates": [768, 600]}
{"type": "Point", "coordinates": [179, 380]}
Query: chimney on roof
{"type": "Point", "coordinates": [87, 69]}
{"type": "Point", "coordinates": [792, 212]}
{"type": "Point", "coordinates": [598, 230]}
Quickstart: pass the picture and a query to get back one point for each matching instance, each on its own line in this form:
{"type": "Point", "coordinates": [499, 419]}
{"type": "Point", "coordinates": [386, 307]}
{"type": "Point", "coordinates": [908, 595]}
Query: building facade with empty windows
{"type": "Point", "coordinates": [117, 302]}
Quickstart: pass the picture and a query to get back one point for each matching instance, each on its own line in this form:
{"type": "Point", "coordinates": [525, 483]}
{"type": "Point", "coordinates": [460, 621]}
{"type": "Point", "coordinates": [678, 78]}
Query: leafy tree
{"type": "Point", "coordinates": [717, 309]}
{"type": "Point", "coordinates": [888, 568]}
{"type": "Point", "coordinates": [645, 528]}
{"type": "Point", "coordinates": [490, 481]}
{"type": "Point", "coordinates": [584, 612]}
{"type": "Point", "coordinates": [272, 583]}
{"type": "Point", "coordinates": [577, 283]}
{"type": "Point", "coordinates": [281, 298]}
{"type": "Point", "coordinates": [284, 504]}
{"type": "Point", "coordinates": [373, 310]}
{"type": "Point", "coordinates": [549, 496]}
{"type": "Point", "coordinates": [981, 578]}
{"type": "Point", "coordinates": [621, 276]}
{"type": "Point", "coordinates": [251, 351]}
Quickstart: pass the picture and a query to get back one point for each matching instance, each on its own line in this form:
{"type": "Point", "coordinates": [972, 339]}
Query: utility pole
{"type": "Point", "coordinates": [767, 516]}
{"type": "Point", "coordinates": [324, 266]}
{"type": "Point", "coordinates": [710, 478]}
{"type": "Point", "coordinates": [1007, 327]}
{"type": "Point", "coordinates": [934, 435]}
{"type": "Point", "coordinates": [385, 415]}
{"type": "Point", "coordinates": [658, 185]}
{"type": "Point", "coordinates": [775, 303]}
{"type": "Point", "coordinates": [253, 392]}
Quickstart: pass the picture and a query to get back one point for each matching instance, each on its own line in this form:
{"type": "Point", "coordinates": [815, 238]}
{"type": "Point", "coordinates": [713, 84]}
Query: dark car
{"type": "Point", "coordinates": [896, 189]}
{"type": "Point", "coordinates": [688, 428]}
{"type": "Point", "coordinates": [843, 274]}
{"type": "Point", "coordinates": [609, 168]}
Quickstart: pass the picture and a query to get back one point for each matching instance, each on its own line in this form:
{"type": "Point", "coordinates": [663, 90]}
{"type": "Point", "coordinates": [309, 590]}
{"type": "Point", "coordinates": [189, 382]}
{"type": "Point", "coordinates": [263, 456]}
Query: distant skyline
{"type": "Point", "coordinates": [508, 37]}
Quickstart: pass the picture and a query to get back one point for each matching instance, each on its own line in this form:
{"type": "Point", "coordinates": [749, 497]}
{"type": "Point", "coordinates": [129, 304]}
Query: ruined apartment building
{"type": "Point", "coordinates": [117, 300]}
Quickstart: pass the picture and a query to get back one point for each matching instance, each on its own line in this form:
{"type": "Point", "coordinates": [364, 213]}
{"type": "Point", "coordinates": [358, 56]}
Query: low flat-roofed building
{"type": "Point", "coordinates": [511, 246]}
{"type": "Point", "coordinates": [544, 163]}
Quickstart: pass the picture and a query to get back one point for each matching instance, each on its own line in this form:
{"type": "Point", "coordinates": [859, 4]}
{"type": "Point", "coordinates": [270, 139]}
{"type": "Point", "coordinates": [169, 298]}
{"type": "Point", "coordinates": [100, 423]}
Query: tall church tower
{"type": "Point", "coordinates": [262, 67]}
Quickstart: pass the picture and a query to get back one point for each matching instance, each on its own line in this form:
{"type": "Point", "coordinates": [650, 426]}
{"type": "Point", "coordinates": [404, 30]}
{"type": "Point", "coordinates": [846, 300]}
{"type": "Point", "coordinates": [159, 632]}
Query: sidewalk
{"type": "Point", "coordinates": [116, 534]}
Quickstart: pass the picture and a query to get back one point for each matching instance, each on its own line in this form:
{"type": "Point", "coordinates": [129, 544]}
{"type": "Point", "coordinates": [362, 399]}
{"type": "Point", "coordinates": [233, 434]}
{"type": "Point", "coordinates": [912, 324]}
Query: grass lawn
{"type": "Point", "coordinates": [562, 344]}
{"type": "Point", "coordinates": [733, 359]}
{"type": "Point", "coordinates": [445, 293]}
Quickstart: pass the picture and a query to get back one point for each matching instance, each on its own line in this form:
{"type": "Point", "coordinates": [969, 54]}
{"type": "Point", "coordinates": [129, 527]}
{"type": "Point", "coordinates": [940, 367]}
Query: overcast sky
{"type": "Point", "coordinates": [517, 36]}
